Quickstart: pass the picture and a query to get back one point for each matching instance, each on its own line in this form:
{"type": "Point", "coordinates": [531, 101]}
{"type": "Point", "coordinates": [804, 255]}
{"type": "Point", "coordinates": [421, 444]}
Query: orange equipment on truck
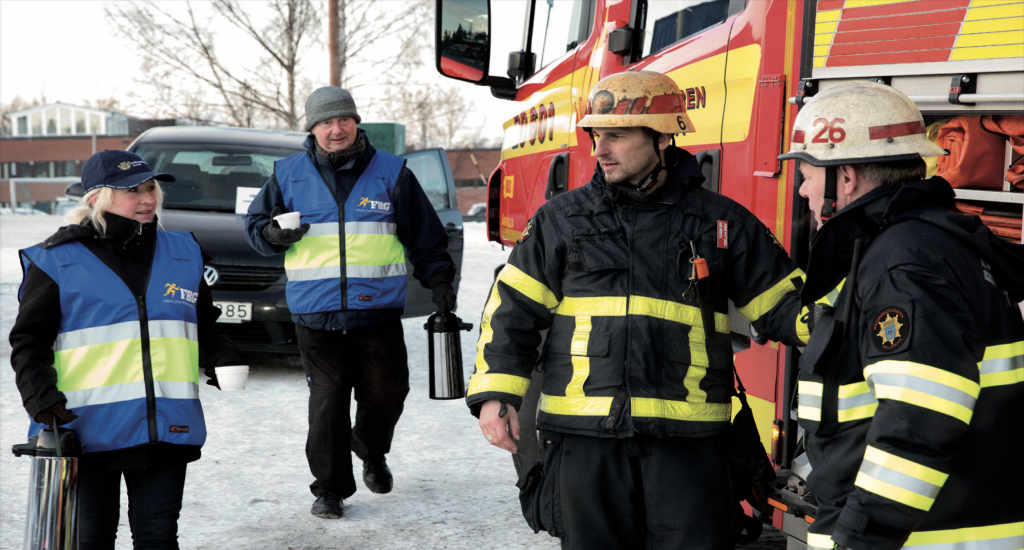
{"type": "Point", "coordinates": [744, 67]}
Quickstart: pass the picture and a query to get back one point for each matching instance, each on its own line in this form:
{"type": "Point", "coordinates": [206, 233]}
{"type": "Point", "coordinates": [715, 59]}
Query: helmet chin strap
{"type": "Point", "coordinates": [828, 208]}
{"type": "Point", "coordinates": [652, 177]}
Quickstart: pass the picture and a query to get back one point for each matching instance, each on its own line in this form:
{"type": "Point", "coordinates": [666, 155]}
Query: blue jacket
{"type": "Point", "coordinates": [418, 229]}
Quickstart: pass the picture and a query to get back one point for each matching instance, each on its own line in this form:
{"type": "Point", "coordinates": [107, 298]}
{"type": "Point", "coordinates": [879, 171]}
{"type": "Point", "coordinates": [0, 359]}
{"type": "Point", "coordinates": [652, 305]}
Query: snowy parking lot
{"type": "Point", "coordinates": [250, 490]}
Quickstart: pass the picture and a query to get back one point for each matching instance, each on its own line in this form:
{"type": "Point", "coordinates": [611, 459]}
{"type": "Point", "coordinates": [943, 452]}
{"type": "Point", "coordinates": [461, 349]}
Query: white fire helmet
{"type": "Point", "coordinates": [860, 123]}
{"type": "Point", "coordinates": [637, 98]}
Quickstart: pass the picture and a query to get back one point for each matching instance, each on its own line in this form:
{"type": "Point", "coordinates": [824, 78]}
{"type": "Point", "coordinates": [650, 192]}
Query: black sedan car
{"type": "Point", "coordinates": [218, 171]}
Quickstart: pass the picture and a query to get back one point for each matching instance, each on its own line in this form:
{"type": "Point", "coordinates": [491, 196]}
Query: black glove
{"type": "Point", "coordinates": [274, 235]}
{"type": "Point", "coordinates": [212, 374]}
{"type": "Point", "coordinates": [443, 297]}
{"type": "Point", "coordinates": [58, 411]}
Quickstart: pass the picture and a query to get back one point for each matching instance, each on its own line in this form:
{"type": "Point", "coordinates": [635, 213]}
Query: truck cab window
{"type": "Point", "coordinates": [558, 27]}
{"type": "Point", "coordinates": [665, 22]}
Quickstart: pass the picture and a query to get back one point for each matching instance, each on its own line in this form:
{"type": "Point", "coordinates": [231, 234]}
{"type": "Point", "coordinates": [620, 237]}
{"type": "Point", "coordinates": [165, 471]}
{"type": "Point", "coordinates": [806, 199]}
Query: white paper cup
{"type": "Point", "coordinates": [288, 220]}
{"type": "Point", "coordinates": [232, 378]}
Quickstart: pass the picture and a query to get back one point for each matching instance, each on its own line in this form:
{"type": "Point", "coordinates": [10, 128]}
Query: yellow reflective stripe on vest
{"type": "Point", "coordinates": [924, 386]}
{"type": "Point", "coordinates": [174, 359]}
{"type": "Point", "coordinates": [317, 257]}
{"type": "Point", "coordinates": [603, 306]}
{"type": "Point", "coordinates": [132, 390]}
{"type": "Point", "coordinates": [770, 298]}
{"type": "Point", "coordinates": [647, 407]}
{"type": "Point", "coordinates": [1007, 536]}
{"type": "Point", "coordinates": [575, 406]}
{"type": "Point", "coordinates": [482, 382]}
{"type": "Point", "coordinates": [809, 397]}
{"type": "Point", "coordinates": [99, 365]}
{"type": "Point", "coordinates": [1002, 365]}
{"type": "Point", "coordinates": [373, 249]}
{"type": "Point", "coordinates": [580, 361]}
{"type": "Point", "coordinates": [856, 402]}
{"type": "Point", "coordinates": [899, 479]}
{"type": "Point", "coordinates": [817, 541]}
{"type": "Point", "coordinates": [527, 286]}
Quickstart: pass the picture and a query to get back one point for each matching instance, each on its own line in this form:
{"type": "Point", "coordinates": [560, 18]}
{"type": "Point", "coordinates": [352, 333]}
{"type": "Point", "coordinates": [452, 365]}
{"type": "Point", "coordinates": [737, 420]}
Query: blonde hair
{"type": "Point", "coordinates": [103, 196]}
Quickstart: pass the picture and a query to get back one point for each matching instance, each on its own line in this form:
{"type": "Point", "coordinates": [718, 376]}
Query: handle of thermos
{"type": "Point", "coordinates": [56, 437]}
{"type": "Point", "coordinates": [465, 326]}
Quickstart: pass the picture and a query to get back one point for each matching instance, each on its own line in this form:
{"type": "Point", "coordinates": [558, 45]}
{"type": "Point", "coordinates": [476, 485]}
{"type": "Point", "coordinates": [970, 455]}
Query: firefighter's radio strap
{"type": "Point", "coordinates": [700, 288]}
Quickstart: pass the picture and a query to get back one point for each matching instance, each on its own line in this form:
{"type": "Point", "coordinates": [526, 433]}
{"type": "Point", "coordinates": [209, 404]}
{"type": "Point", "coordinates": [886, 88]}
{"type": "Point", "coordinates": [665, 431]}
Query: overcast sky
{"type": "Point", "coordinates": [68, 50]}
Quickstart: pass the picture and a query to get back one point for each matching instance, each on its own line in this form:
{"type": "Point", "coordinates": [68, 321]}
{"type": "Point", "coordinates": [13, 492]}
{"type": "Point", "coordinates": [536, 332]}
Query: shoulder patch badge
{"type": "Point", "coordinates": [526, 231]}
{"type": "Point", "coordinates": [890, 328]}
{"type": "Point", "coordinates": [775, 240]}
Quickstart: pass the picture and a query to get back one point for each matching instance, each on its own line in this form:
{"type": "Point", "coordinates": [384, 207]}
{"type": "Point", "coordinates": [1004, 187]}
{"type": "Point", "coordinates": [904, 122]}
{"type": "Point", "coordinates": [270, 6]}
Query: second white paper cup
{"type": "Point", "coordinates": [232, 378]}
{"type": "Point", "coordinates": [288, 220]}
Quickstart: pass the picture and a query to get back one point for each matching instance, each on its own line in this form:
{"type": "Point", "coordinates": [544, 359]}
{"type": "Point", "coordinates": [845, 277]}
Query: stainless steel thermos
{"type": "Point", "coordinates": [445, 350]}
{"type": "Point", "coordinates": [52, 517]}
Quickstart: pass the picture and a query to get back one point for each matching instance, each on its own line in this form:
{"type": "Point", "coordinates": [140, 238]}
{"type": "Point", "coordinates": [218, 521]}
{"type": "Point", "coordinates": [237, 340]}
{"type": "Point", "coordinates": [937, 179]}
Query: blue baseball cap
{"type": "Point", "coordinates": [119, 170]}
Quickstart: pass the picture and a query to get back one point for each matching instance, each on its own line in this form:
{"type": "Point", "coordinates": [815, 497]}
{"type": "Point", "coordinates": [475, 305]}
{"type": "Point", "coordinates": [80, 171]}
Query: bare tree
{"type": "Point", "coordinates": [16, 104]}
{"type": "Point", "coordinates": [380, 47]}
{"type": "Point", "coordinates": [434, 116]}
{"type": "Point", "coordinates": [191, 80]}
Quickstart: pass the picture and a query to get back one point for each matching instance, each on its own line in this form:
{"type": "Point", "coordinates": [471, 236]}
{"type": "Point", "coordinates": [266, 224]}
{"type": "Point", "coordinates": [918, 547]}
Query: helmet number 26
{"type": "Point", "coordinates": [835, 133]}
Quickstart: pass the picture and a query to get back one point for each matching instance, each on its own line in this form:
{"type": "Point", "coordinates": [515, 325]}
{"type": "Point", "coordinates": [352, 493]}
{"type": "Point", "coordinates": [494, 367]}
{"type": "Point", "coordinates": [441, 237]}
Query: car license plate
{"type": "Point", "coordinates": [234, 312]}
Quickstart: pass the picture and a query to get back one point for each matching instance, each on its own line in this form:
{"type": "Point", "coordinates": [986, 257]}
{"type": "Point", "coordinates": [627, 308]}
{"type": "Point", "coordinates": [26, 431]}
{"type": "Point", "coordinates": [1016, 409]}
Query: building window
{"type": "Point", "coordinates": [51, 122]}
{"type": "Point", "coordinates": [37, 124]}
{"type": "Point", "coordinates": [79, 122]}
{"type": "Point", "coordinates": [23, 125]}
{"type": "Point", "coordinates": [94, 124]}
{"type": "Point", "coordinates": [65, 121]}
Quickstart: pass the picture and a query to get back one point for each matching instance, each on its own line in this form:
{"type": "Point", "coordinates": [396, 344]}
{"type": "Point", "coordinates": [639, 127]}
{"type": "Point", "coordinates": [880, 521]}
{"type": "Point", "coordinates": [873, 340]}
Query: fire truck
{"type": "Point", "coordinates": [744, 68]}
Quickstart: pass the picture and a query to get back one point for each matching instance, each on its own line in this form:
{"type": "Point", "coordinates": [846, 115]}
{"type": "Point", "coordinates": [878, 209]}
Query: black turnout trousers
{"type": "Point", "coordinates": [641, 492]}
{"type": "Point", "coordinates": [372, 361]}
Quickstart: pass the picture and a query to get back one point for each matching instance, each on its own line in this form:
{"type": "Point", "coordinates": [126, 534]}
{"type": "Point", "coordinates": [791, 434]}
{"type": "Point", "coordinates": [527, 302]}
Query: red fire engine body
{"type": "Point", "coordinates": [744, 67]}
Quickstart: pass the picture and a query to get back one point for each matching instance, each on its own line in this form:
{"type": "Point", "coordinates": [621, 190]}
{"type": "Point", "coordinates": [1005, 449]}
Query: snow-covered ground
{"type": "Point", "coordinates": [251, 488]}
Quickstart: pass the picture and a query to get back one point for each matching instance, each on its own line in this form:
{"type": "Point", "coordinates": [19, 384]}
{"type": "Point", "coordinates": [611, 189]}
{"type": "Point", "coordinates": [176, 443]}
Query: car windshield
{"type": "Point", "coordinates": [208, 176]}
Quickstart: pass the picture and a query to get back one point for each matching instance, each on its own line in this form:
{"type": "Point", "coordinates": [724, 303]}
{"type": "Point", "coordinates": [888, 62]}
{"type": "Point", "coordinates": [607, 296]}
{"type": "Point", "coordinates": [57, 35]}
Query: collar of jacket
{"type": "Point", "coordinates": [682, 175]}
{"type": "Point", "coordinates": [120, 230]}
{"type": "Point", "coordinates": [368, 151]}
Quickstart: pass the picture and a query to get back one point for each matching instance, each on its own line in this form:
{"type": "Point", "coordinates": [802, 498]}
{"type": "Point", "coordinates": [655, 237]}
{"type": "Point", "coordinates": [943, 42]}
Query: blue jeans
{"type": "Point", "coordinates": [154, 501]}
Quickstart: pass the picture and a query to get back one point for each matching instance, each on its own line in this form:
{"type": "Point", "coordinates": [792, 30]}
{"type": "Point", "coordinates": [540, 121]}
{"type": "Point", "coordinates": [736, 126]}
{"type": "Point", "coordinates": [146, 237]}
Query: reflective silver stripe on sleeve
{"type": "Point", "coordinates": [1005, 364]}
{"type": "Point", "coordinates": [173, 329]}
{"type": "Point", "coordinates": [899, 479]}
{"type": "Point", "coordinates": [847, 403]}
{"type": "Point", "coordinates": [808, 400]}
{"type": "Point", "coordinates": [321, 229]}
{"type": "Point", "coordinates": [314, 273]}
{"type": "Point", "coordinates": [375, 271]}
{"type": "Point", "coordinates": [370, 228]}
{"type": "Point", "coordinates": [132, 390]}
{"type": "Point", "coordinates": [97, 335]}
{"type": "Point", "coordinates": [922, 385]}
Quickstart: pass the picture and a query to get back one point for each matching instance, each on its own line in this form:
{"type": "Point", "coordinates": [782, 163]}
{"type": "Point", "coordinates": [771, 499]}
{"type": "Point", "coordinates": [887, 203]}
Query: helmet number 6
{"type": "Point", "coordinates": [835, 133]}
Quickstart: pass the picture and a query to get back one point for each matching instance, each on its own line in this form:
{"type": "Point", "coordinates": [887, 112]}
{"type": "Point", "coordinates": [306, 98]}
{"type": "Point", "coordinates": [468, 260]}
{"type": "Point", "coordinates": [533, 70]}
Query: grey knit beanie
{"type": "Point", "coordinates": [329, 102]}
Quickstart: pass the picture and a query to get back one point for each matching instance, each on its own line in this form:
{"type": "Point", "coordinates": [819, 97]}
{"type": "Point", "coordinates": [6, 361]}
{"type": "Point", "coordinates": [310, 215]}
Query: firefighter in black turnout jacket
{"type": "Point", "coordinates": [911, 389]}
{"type": "Point", "coordinates": [631, 273]}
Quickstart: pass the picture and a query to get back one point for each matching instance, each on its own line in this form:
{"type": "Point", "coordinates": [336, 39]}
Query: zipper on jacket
{"type": "Point", "coordinates": [614, 416]}
{"type": "Point", "coordinates": [147, 370]}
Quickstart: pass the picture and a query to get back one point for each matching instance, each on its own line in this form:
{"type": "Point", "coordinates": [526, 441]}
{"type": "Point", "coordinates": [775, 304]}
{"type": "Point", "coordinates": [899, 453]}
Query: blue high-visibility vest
{"type": "Point", "coordinates": [363, 255]}
{"type": "Point", "coordinates": [128, 365]}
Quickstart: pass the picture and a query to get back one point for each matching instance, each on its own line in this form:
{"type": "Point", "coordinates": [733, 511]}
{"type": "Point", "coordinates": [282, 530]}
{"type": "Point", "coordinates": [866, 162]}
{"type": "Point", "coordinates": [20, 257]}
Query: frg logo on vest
{"type": "Point", "coordinates": [187, 295]}
{"type": "Point", "coordinates": [378, 206]}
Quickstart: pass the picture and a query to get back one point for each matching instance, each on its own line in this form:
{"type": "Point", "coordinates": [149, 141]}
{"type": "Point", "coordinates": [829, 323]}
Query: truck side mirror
{"type": "Point", "coordinates": [462, 39]}
{"type": "Point", "coordinates": [520, 65]}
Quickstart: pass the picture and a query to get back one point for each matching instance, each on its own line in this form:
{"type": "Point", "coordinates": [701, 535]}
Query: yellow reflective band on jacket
{"type": "Point", "coordinates": [803, 332]}
{"type": "Point", "coordinates": [768, 299]}
{"type": "Point", "coordinates": [482, 382]}
{"type": "Point", "coordinates": [647, 407]}
{"type": "Point", "coordinates": [110, 355]}
{"type": "Point", "coordinates": [527, 286]}
{"type": "Point", "coordinates": [578, 353]}
{"type": "Point", "coordinates": [369, 249]}
{"type": "Point", "coordinates": [924, 386]}
{"type": "Point", "coordinates": [856, 402]}
{"type": "Point", "coordinates": [575, 406]}
{"type": "Point", "coordinates": [817, 541]}
{"type": "Point", "coordinates": [1007, 536]}
{"type": "Point", "coordinates": [1002, 365]}
{"type": "Point", "coordinates": [614, 306]}
{"type": "Point", "coordinates": [809, 397]}
{"type": "Point", "coordinates": [899, 479]}
{"type": "Point", "coordinates": [486, 334]}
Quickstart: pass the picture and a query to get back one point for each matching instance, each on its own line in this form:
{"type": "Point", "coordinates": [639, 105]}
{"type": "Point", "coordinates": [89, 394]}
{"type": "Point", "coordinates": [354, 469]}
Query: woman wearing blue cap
{"type": "Point", "coordinates": [115, 321]}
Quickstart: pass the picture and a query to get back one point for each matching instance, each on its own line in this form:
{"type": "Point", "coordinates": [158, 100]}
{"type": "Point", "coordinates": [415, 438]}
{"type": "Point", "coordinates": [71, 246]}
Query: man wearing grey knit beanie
{"type": "Point", "coordinates": [361, 210]}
